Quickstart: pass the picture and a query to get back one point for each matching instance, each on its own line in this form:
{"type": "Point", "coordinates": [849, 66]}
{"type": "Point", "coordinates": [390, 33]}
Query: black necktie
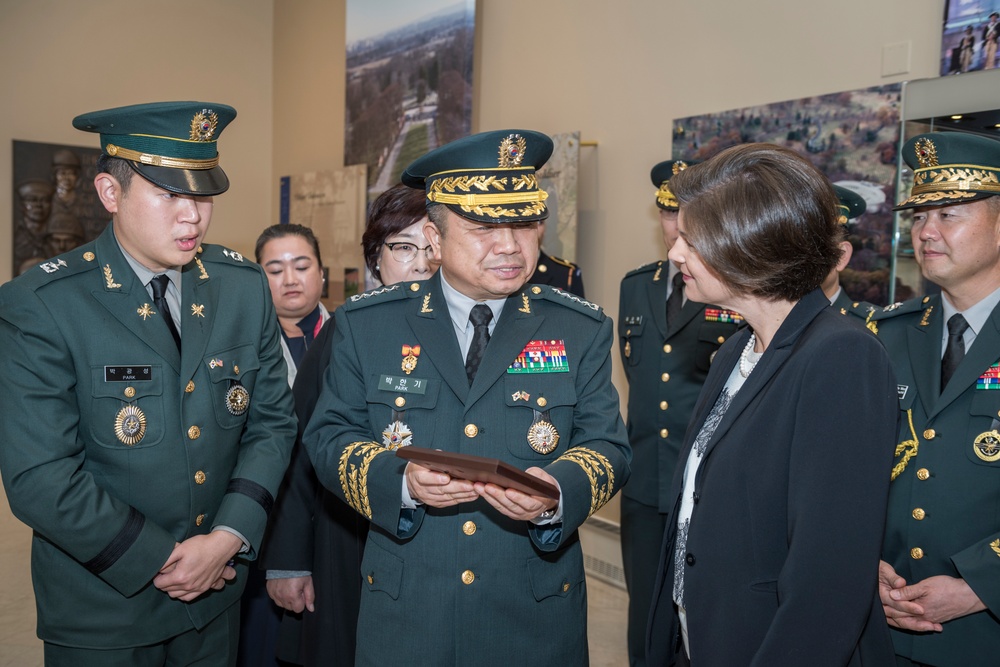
{"type": "Point", "coordinates": [676, 299]}
{"type": "Point", "coordinates": [159, 286]}
{"type": "Point", "coordinates": [954, 352]}
{"type": "Point", "coordinates": [481, 316]}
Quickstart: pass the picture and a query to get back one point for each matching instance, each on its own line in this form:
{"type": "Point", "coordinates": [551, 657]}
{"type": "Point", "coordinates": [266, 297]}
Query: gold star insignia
{"type": "Point", "coordinates": [145, 311]}
{"type": "Point", "coordinates": [198, 309]}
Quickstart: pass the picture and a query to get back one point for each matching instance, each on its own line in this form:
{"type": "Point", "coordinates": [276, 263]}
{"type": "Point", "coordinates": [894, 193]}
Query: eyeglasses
{"type": "Point", "coordinates": [405, 252]}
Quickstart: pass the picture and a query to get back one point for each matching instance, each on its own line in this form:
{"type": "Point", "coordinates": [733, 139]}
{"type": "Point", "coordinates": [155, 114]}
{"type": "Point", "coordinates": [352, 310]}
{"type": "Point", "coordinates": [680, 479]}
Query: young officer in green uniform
{"type": "Point", "coordinates": [473, 361]}
{"type": "Point", "coordinates": [850, 206]}
{"type": "Point", "coordinates": [940, 580]}
{"type": "Point", "coordinates": [147, 417]}
{"type": "Point", "coordinates": [667, 343]}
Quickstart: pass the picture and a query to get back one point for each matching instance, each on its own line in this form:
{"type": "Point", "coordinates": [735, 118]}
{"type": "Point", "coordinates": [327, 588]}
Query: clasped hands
{"type": "Point", "coordinates": [926, 605]}
{"type": "Point", "coordinates": [198, 564]}
{"type": "Point", "coordinates": [439, 489]}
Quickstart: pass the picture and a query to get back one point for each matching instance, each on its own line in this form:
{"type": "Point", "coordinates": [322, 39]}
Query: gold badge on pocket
{"type": "Point", "coordinates": [130, 424]}
{"type": "Point", "coordinates": [237, 399]}
{"type": "Point", "coordinates": [987, 446]}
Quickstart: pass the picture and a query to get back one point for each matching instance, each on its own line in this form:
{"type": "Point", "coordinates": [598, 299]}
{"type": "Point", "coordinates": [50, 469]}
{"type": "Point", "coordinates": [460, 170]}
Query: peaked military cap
{"type": "Point", "coordinates": [951, 168]}
{"type": "Point", "coordinates": [850, 204]}
{"type": "Point", "coordinates": [660, 174]}
{"type": "Point", "coordinates": [170, 144]}
{"type": "Point", "coordinates": [486, 177]}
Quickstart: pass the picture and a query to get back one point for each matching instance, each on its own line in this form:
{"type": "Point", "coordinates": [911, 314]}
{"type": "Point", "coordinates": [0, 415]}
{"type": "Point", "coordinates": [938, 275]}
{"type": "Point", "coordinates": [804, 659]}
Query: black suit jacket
{"type": "Point", "coordinates": [783, 547]}
{"type": "Point", "coordinates": [313, 530]}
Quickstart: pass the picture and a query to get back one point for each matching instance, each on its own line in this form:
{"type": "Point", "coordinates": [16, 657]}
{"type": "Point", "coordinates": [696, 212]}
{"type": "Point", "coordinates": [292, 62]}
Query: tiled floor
{"type": "Point", "coordinates": [20, 648]}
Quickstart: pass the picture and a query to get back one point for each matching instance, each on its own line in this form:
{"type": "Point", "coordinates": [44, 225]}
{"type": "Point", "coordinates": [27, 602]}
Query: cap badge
{"type": "Point", "coordinates": [203, 125]}
{"type": "Point", "coordinates": [926, 152]}
{"type": "Point", "coordinates": [512, 151]}
{"type": "Point", "coordinates": [679, 166]}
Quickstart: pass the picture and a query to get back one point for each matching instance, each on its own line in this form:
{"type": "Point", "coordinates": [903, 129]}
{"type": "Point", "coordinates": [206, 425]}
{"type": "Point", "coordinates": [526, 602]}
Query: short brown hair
{"type": "Point", "coordinates": [393, 211]}
{"type": "Point", "coordinates": [762, 218]}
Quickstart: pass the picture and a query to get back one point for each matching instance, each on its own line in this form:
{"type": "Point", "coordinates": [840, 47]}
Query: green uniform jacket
{"type": "Point", "coordinates": [466, 585]}
{"type": "Point", "coordinates": [944, 505]}
{"type": "Point", "coordinates": [559, 273]}
{"type": "Point", "coordinates": [106, 513]}
{"type": "Point", "coordinates": [665, 372]}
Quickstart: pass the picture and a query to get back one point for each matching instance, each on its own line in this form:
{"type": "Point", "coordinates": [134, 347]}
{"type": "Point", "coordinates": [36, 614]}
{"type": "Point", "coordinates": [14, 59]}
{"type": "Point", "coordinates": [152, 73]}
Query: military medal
{"type": "Point", "coordinates": [990, 379]}
{"type": "Point", "coordinates": [396, 435]}
{"type": "Point", "coordinates": [130, 424]}
{"type": "Point", "coordinates": [237, 399]}
{"type": "Point", "coordinates": [410, 354]}
{"type": "Point", "coordinates": [987, 446]}
{"type": "Point", "coordinates": [628, 349]}
{"type": "Point", "coordinates": [543, 436]}
{"type": "Point", "coordinates": [541, 356]}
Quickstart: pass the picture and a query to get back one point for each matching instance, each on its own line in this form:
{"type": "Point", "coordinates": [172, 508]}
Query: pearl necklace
{"type": "Point", "coordinates": [746, 367]}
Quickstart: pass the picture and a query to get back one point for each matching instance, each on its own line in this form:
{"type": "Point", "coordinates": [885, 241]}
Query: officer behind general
{"type": "Point", "coordinates": [666, 359]}
{"type": "Point", "coordinates": [556, 271]}
{"type": "Point", "coordinates": [473, 360]}
{"type": "Point", "coordinates": [147, 417]}
{"type": "Point", "coordinates": [850, 206]}
{"type": "Point", "coordinates": [940, 580]}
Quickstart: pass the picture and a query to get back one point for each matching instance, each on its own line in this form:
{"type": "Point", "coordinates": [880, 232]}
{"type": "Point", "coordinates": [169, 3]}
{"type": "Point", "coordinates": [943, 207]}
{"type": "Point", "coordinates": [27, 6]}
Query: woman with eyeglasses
{"type": "Point", "coordinates": [313, 549]}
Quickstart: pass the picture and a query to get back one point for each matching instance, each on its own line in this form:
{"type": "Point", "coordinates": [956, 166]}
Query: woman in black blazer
{"type": "Point", "coordinates": [772, 548]}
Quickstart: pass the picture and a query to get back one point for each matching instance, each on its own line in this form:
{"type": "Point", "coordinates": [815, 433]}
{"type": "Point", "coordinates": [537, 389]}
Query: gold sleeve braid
{"type": "Point", "coordinates": [597, 467]}
{"type": "Point", "coordinates": [913, 445]}
{"type": "Point", "coordinates": [354, 476]}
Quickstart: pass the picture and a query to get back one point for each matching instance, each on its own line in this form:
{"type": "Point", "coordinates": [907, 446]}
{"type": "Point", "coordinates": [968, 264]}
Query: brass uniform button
{"type": "Point", "coordinates": [721, 339]}
{"type": "Point", "coordinates": [565, 586]}
{"type": "Point", "coordinates": [371, 580]}
{"type": "Point", "coordinates": [194, 433]}
{"type": "Point", "coordinates": [542, 402]}
{"type": "Point", "coordinates": [542, 268]}
{"type": "Point", "coordinates": [929, 434]}
{"type": "Point", "coordinates": [400, 401]}
{"type": "Point", "coordinates": [628, 332]}
{"type": "Point", "coordinates": [190, 387]}
{"type": "Point", "coordinates": [668, 348]}
{"type": "Point", "coordinates": [919, 514]}
{"type": "Point", "coordinates": [663, 405]}
{"type": "Point", "coordinates": [536, 290]}
{"type": "Point", "coordinates": [199, 477]}
{"type": "Point", "coordinates": [129, 392]}
{"type": "Point", "coordinates": [923, 474]}
{"type": "Point", "coordinates": [236, 369]}
{"type": "Point", "coordinates": [89, 256]}
{"type": "Point", "coordinates": [665, 377]}
{"type": "Point", "coordinates": [199, 250]}
{"type": "Point", "coordinates": [414, 287]}
{"type": "Point", "coordinates": [469, 527]}
{"type": "Point", "coordinates": [200, 519]}
{"type": "Point", "coordinates": [916, 553]}
{"type": "Point", "coordinates": [471, 430]}
{"type": "Point", "coordinates": [664, 432]}
{"type": "Point", "coordinates": [468, 577]}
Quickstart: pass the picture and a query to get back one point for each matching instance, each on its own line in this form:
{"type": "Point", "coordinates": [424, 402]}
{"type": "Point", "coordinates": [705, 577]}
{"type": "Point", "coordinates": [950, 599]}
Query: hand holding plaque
{"type": "Point", "coordinates": [479, 469]}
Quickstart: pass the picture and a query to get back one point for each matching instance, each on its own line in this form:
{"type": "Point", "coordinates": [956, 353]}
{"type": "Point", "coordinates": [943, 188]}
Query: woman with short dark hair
{"type": "Point", "coordinates": [772, 548]}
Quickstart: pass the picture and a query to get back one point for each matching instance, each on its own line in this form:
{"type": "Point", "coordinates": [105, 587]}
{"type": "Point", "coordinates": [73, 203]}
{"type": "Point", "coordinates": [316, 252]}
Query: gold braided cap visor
{"type": "Point", "coordinates": [496, 187]}
{"type": "Point", "coordinates": [664, 197]}
{"type": "Point", "coordinates": [952, 182]}
{"type": "Point", "coordinates": [160, 160]}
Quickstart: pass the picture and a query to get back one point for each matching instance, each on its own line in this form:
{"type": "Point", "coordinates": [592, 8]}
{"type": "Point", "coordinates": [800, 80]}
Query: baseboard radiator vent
{"type": "Point", "coordinates": [602, 551]}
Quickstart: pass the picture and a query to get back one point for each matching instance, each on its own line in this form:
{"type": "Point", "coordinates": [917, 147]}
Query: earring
{"type": "Point", "coordinates": [378, 267]}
